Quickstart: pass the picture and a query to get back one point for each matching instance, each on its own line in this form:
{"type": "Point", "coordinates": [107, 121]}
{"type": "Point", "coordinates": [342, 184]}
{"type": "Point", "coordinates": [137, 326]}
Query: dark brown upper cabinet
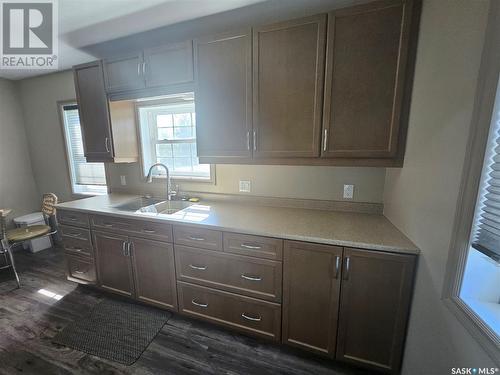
{"type": "Point", "coordinates": [93, 108]}
{"type": "Point", "coordinates": [169, 65]}
{"type": "Point", "coordinates": [165, 65]}
{"type": "Point", "coordinates": [223, 95]}
{"type": "Point", "coordinates": [108, 128]}
{"type": "Point", "coordinates": [288, 75]}
{"type": "Point", "coordinates": [366, 77]}
{"type": "Point", "coordinates": [125, 72]}
{"type": "Point", "coordinates": [311, 291]}
{"type": "Point", "coordinates": [374, 304]}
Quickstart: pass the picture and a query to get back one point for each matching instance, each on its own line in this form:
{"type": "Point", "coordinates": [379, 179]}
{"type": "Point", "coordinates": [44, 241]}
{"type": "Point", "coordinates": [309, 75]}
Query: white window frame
{"type": "Point", "coordinates": [159, 102]}
{"type": "Point", "coordinates": [488, 81]}
{"type": "Point", "coordinates": [76, 190]}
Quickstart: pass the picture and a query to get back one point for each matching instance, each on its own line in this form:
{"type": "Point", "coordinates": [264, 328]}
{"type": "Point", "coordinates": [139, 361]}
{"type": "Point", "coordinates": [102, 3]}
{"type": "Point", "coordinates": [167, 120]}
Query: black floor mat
{"type": "Point", "coordinates": [114, 330]}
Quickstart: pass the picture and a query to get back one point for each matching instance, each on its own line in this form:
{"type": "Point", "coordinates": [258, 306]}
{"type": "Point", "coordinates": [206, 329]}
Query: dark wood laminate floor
{"type": "Point", "coordinates": [30, 318]}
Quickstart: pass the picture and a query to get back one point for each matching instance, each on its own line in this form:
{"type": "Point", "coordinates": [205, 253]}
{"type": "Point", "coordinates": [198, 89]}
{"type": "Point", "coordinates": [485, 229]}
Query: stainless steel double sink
{"type": "Point", "coordinates": [153, 206]}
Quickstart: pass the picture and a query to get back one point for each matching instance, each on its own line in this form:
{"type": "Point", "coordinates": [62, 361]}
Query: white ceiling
{"type": "Point", "coordinates": [86, 22]}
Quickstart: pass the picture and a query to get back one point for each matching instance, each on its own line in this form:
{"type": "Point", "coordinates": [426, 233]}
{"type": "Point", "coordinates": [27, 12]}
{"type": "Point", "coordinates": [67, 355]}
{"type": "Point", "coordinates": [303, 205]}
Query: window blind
{"type": "Point", "coordinates": [486, 230]}
{"type": "Point", "coordinates": [83, 173]}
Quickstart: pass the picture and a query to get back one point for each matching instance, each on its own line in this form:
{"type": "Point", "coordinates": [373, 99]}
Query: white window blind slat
{"type": "Point", "coordinates": [83, 173]}
{"type": "Point", "coordinates": [486, 229]}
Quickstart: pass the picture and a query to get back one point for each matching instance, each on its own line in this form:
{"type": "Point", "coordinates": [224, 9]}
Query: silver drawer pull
{"type": "Point", "coordinates": [72, 248]}
{"type": "Point", "coordinates": [251, 318]}
{"type": "Point", "coordinates": [204, 305]}
{"type": "Point", "coordinates": [80, 272]}
{"type": "Point", "coordinates": [109, 225]}
{"type": "Point", "coordinates": [149, 231]}
{"type": "Point", "coordinates": [74, 235]}
{"type": "Point", "coordinates": [251, 278]}
{"type": "Point", "coordinates": [252, 247]}
{"type": "Point", "coordinates": [201, 268]}
{"type": "Point", "coordinates": [72, 218]}
{"type": "Point", "coordinates": [196, 238]}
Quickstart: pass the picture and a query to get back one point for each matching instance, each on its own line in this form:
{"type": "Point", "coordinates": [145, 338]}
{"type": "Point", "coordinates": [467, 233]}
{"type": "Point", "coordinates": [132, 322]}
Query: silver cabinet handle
{"type": "Point", "coordinates": [126, 248]}
{"type": "Point", "coordinates": [193, 238]}
{"type": "Point", "coordinates": [347, 267]}
{"type": "Point", "coordinates": [72, 218]}
{"type": "Point", "coordinates": [74, 235]}
{"type": "Point", "coordinates": [149, 231]}
{"type": "Point", "coordinates": [255, 140]}
{"type": "Point", "coordinates": [201, 268]}
{"type": "Point", "coordinates": [244, 315]}
{"type": "Point", "coordinates": [337, 267]}
{"type": "Point", "coordinates": [252, 247]}
{"type": "Point", "coordinates": [251, 278]}
{"type": "Point", "coordinates": [144, 68]}
{"type": "Point", "coordinates": [129, 246]}
{"type": "Point", "coordinates": [248, 140]}
{"type": "Point", "coordinates": [139, 68]}
{"type": "Point", "coordinates": [325, 139]}
{"type": "Point", "coordinates": [106, 143]}
{"type": "Point", "coordinates": [80, 272]}
{"type": "Point", "coordinates": [109, 225]}
{"type": "Point", "coordinates": [204, 305]}
{"type": "Point", "coordinates": [72, 248]}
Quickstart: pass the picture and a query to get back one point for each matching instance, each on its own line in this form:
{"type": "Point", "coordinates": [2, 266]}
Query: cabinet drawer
{"type": "Point", "coordinates": [254, 246]}
{"type": "Point", "coordinates": [74, 233]}
{"type": "Point", "coordinates": [260, 278]}
{"type": "Point", "coordinates": [78, 247]}
{"type": "Point", "coordinates": [153, 230]}
{"type": "Point", "coordinates": [242, 313]}
{"type": "Point", "coordinates": [78, 219]}
{"type": "Point", "coordinates": [198, 237]}
{"type": "Point", "coordinates": [81, 268]}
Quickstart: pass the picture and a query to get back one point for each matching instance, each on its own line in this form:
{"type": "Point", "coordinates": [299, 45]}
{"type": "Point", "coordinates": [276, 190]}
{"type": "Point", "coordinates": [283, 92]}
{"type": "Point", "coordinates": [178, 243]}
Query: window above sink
{"type": "Point", "coordinates": [167, 129]}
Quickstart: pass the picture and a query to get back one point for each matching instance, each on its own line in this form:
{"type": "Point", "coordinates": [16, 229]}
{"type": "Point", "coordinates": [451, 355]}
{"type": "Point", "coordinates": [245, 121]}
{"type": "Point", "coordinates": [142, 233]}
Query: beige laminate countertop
{"type": "Point", "coordinates": [366, 231]}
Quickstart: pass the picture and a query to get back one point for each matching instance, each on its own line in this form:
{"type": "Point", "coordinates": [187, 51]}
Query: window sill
{"type": "Point", "coordinates": [475, 326]}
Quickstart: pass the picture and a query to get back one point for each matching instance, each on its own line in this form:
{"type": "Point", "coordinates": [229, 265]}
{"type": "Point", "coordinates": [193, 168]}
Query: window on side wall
{"type": "Point", "coordinates": [86, 178]}
{"type": "Point", "coordinates": [167, 130]}
{"type": "Point", "coordinates": [480, 286]}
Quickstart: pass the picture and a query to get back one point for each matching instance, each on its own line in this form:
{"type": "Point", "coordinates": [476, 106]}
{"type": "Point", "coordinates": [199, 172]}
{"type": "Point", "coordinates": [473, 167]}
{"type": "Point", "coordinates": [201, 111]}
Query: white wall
{"type": "Point", "coordinates": [421, 198]}
{"type": "Point", "coordinates": [307, 182]}
{"type": "Point", "coordinates": [17, 185]}
{"type": "Point", "coordinates": [39, 97]}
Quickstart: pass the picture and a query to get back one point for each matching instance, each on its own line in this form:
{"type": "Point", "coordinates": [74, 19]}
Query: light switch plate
{"type": "Point", "coordinates": [348, 191]}
{"type": "Point", "coordinates": [123, 180]}
{"type": "Point", "coordinates": [245, 186]}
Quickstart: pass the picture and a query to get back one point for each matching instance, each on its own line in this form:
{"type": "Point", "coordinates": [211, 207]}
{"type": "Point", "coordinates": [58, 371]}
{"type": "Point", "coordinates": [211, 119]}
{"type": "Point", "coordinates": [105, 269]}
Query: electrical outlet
{"type": "Point", "coordinates": [123, 180]}
{"type": "Point", "coordinates": [245, 186]}
{"type": "Point", "coordinates": [348, 191]}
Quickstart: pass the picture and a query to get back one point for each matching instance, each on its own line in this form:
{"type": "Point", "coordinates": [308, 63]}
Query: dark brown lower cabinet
{"type": "Point", "coordinates": [154, 272]}
{"type": "Point", "coordinates": [374, 304]}
{"type": "Point", "coordinates": [311, 289]}
{"type": "Point", "coordinates": [114, 268]}
{"type": "Point", "coordinates": [348, 304]}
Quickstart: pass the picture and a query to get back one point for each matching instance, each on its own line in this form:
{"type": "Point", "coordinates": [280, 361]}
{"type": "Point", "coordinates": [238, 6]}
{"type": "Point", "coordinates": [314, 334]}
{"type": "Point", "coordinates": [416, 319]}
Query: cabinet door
{"type": "Point", "coordinates": [94, 112]}
{"type": "Point", "coordinates": [311, 287]}
{"type": "Point", "coordinates": [224, 95]}
{"type": "Point", "coordinates": [376, 294]}
{"type": "Point", "coordinates": [154, 272]}
{"type": "Point", "coordinates": [168, 65]}
{"type": "Point", "coordinates": [114, 268]}
{"type": "Point", "coordinates": [288, 70]}
{"type": "Point", "coordinates": [124, 73]}
{"type": "Point", "coordinates": [365, 79]}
